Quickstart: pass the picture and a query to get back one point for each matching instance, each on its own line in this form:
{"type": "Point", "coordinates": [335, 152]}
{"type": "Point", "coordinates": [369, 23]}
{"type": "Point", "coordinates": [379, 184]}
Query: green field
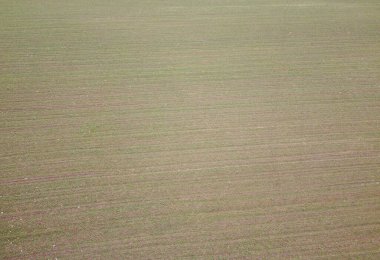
{"type": "Point", "coordinates": [190, 129]}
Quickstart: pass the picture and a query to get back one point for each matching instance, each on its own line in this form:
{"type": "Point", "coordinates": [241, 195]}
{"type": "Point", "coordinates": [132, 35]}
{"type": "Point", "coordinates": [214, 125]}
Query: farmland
{"type": "Point", "coordinates": [186, 129]}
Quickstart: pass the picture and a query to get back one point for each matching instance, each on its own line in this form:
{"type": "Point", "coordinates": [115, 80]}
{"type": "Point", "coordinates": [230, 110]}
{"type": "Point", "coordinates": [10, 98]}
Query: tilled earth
{"type": "Point", "coordinates": [178, 129]}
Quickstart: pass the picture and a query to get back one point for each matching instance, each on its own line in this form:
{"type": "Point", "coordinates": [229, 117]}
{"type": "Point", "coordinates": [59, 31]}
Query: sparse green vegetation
{"type": "Point", "coordinates": [188, 129]}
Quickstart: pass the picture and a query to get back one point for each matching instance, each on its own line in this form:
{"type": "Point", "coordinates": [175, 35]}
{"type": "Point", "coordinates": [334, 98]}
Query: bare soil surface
{"type": "Point", "coordinates": [178, 129]}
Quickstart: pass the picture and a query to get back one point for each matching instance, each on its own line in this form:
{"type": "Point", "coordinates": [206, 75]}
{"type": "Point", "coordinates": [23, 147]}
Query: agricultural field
{"type": "Point", "coordinates": [190, 129]}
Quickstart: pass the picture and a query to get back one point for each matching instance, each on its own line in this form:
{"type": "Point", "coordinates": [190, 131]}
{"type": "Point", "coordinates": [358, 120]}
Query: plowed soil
{"type": "Point", "coordinates": [185, 129]}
